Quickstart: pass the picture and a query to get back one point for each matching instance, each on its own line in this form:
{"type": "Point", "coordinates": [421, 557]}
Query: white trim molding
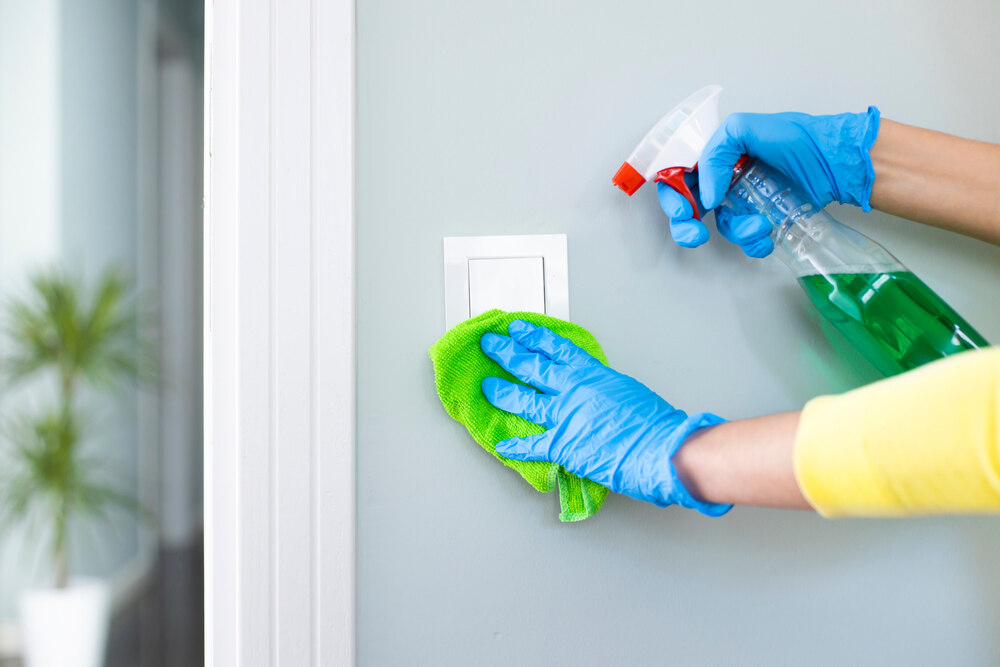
{"type": "Point", "coordinates": [279, 333]}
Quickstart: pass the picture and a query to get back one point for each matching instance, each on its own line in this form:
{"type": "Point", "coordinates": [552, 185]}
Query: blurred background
{"type": "Point", "coordinates": [101, 117]}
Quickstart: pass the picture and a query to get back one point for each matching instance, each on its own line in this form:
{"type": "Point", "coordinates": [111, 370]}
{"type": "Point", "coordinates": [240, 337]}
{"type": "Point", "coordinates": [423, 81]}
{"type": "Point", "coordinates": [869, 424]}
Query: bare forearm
{"type": "Point", "coordinates": [746, 462]}
{"type": "Point", "coordinates": [937, 179]}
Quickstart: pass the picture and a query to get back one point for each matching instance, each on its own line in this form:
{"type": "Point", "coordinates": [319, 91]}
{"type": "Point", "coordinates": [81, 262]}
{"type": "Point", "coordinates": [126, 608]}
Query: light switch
{"type": "Point", "coordinates": [508, 283]}
{"type": "Point", "coordinates": [528, 273]}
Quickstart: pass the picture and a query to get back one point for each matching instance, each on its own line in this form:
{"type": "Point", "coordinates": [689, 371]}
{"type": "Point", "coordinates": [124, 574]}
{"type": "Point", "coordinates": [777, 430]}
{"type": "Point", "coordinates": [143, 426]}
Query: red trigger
{"type": "Point", "coordinates": [674, 177]}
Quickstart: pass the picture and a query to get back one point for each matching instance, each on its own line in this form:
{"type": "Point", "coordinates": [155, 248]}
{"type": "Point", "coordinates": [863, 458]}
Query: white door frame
{"type": "Point", "coordinates": [279, 333]}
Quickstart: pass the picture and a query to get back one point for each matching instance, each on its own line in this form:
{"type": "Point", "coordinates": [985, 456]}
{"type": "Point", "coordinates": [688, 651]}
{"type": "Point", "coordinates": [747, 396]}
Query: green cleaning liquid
{"type": "Point", "coordinates": [888, 314]}
{"type": "Point", "coordinates": [894, 319]}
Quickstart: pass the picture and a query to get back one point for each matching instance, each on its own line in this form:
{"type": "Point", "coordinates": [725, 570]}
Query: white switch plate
{"type": "Point", "coordinates": [506, 284]}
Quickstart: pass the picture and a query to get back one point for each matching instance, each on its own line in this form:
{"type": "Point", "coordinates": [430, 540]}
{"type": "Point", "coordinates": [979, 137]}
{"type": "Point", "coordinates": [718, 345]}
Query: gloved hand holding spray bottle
{"type": "Point", "coordinates": [892, 317]}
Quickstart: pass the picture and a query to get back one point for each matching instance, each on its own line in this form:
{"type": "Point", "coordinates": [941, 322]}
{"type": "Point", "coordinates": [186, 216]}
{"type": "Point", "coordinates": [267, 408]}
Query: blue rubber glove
{"type": "Point", "coordinates": [828, 156]}
{"type": "Point", "coordinates": [752, 233]}
{"type": "Point", "coordinates": [603, 425]}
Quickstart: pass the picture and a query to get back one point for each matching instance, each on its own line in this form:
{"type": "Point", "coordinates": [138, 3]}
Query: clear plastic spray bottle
{"type": "Point", "coordinates": [891, 316]}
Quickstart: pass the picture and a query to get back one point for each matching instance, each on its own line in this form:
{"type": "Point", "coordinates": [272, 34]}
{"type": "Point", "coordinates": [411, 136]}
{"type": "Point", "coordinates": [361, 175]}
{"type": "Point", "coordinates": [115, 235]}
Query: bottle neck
{"type": "Point", "coordinates": [759, 188]}
{"type": "Point", "coordinates": [744, 163]}
{"type": "Point", "coordinates": [806, 238]}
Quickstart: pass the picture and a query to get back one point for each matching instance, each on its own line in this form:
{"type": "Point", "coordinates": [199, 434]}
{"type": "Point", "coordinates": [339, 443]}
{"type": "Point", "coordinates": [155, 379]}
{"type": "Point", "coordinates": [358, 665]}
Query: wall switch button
{"type": "Point", "coordinates": [507, 283]}
{"type": "Point", "coordinates": [512, 273]}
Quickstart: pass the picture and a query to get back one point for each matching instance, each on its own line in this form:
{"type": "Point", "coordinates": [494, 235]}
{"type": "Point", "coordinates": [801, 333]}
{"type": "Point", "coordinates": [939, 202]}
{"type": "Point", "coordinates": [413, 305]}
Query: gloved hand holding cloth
{"type": "Point", "coordinates": [828, 156]}
{"type": "Point", "coordinates": [602, 425]}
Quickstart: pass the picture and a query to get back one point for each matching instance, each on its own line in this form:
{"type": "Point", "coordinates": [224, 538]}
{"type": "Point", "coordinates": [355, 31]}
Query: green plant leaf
{"type": "Point", "coordinates": [59, 326]}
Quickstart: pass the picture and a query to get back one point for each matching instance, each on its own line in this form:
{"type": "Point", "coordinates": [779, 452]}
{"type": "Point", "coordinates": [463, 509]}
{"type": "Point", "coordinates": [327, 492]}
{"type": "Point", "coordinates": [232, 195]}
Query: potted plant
{"type": "Point", "coordinates": [61, 334]}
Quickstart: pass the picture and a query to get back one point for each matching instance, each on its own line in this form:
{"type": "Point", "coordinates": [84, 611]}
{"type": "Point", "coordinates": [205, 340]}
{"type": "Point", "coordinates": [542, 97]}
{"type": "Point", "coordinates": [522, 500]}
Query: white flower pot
{"type": "Point", "coordinates": [66, 627]}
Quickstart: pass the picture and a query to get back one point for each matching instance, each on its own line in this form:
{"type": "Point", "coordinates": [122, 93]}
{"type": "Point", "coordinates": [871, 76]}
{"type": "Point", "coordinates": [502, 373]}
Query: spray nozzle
{"type": "Point", "coordinates": [676, 140]}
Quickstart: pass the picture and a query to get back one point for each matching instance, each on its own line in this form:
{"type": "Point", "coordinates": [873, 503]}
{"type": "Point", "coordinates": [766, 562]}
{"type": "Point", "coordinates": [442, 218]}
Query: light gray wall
{"type": "Point", "coordinates": [510, 118]}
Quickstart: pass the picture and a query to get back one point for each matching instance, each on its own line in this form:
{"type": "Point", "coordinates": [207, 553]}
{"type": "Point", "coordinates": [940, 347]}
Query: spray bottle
{"type": "Point", "coordinates": [892, 317]}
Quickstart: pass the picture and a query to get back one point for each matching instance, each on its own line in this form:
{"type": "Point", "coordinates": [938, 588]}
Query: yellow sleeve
{"type": "Point", "coordinates": [924, 442]}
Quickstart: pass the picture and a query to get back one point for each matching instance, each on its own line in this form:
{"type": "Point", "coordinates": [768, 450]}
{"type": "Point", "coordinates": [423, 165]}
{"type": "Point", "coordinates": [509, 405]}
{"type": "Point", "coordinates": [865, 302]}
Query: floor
{"type": "Point", "coordinates": [165, 626]}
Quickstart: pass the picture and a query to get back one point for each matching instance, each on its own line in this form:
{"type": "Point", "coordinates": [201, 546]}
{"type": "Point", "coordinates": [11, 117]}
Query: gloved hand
{"type": "Point", "coordinates": [603, 425]}
{"type": "Point", "coordinates": [752, 233]}
{"type": "Point", "coordinates": [828, 156]}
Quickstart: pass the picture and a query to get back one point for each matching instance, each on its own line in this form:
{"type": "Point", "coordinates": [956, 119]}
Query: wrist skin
{"type": "Point", "coordinates": [745, 462]}
{"type": "Point", "coordinates": [937, 179]}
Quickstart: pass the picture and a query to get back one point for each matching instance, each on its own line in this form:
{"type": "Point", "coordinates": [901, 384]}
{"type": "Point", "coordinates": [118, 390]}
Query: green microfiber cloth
{"type": "Point", "coordinates": [459, 369]}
